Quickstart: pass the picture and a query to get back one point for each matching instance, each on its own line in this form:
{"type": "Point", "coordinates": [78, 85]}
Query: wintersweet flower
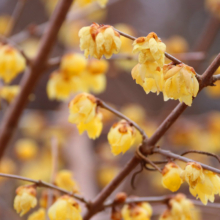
{"type": "Point", "coordinates": [180, 83]}
{"type": "Point", "coordinates": [139, 211]}
{"type": "Point", "coordinates": [11, 63]}
{"type": "Point", "coordinates": [60, 86]}
{"type": "Point", "coordinates": [26, 149]}
{"type": "Point", "coordinates": [82, 108]}
{"type": "Point", "coordinates": [64, 180]}
{"type": "Point", "coordinates": [93, 128]}
{"type": "Point", "coordinates": [171, 177]}
{"type": "Point", "coordinates": [73, 64]}
{"type": "Point", "coordinates": [98, 40]}
{"type": "Point", "coordinates": [25, 199]}
{"type": "Point", "coordinates": [192, 174]}
{"type": "Point", "coordinates": [149, 75]}
{"type": "Point", "coordinates": [9, 92]}
{"type": "Point", "coordinates": [150, 48]}
{"type": "Point", "coordinates": [121, 137]}
{"type": "Point", "coordinates": [38, 215]}
{"type": "Point", "coordinates": [65, 208]}
{"type": "Point", "coordinates": [179, 208]}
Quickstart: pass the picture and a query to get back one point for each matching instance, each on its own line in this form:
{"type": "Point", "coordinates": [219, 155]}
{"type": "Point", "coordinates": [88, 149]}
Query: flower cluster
{"type": "Point", "coordinates": [179, 208]}
{"type": "Point", "coordinates": [175, 81]}
{"type": "Point", "coordinates": [85, 114]}
{"type": "Point", "coordinates": [203, 184]}
{"type": "Point", "coordinates": [139, 211]}
{"type": "Point", "coordinates": [98, 40]}
{"type": "Point", "coordinates": [11, 63]}
{"type": "Point", "coordinates": [77, 74]}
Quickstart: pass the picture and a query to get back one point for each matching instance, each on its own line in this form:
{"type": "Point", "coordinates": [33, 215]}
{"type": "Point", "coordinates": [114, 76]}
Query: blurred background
{"type": "Point", "coordinates": [190, 29]}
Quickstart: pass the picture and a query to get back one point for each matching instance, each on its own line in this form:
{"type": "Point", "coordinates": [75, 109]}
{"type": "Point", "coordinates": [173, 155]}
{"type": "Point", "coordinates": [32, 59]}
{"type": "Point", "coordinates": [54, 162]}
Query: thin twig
{"type": "Point", "coordinates": [40, 183]}
{"type": "Point", "coordinates": [184, 159]}
{"type": "Point", "coordinates": [147, 160]}
{"type": "Point", "coordinates": [16, 15]}
{"type": "Point", "coordinates": [216, 77]}
{"type": "Point", "coordinates": [201, 152]}
{"type": "Point", "coordinates": [120, 115]}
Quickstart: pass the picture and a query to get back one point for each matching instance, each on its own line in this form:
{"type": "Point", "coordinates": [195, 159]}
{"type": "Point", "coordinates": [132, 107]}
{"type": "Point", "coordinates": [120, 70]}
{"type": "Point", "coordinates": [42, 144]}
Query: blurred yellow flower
{"type": "Point", "coordinates": [6, 166]}
{"type": "Point", "coordinates": [11, 63]}
{"type": "Point", "coordinates": [9, 92]}
{"type": "Point", "coordinates": [176, 44]}
{"type": "Point", "coordinates": [150, 48]}
{"type": "Point", "coordinates": [98, 40]}
{"type": "Point", "coordinates": [171, 177]}
{"type": "Point", "coordinates": [30, 47]}
{"type": "Point", "coordinates": [73, 64]}
{"type": "Point", "coordinates": [65, 208]}
{"type": "Point", "coordinates": [40, 214]}
{"type": "Point", "coordinates": [26, 149]}
{"type": "Point", "coordinates": [106, 174]}
{"type": "Point", "coordinates": [25, 199]}
{"type": "Point", "coordinates": [65, 180]}
{"type": "Point", "coordinates": [83, 3]}
{"type": "Point", "coordinates": [97, 67]}
{"type": "Point", "coordinates": [149, 75]}
{"type": "Point", "coordinates": [139, 211]}
{"type": "Point", "coordinates": [180, 83]}
{"type": "Point", "coordinates": [121, 137]}
{"type": "Point", "coordinates": [5, 24]}
{"type": "Point", "coordinates": [60, 86]}
{"type": "Point", "coordinates": [213, 6]}
{"type": "Point", "coordinates": [180, 208]}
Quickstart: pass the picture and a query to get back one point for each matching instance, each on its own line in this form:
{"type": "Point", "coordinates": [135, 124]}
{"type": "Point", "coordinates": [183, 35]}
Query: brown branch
{"type": "Point", "coordinates": [16, 15]}
{"type": "Point", "coordinates": [201, 152]}
{"type": "Point", "coordinates": [169, 154]}
{"type": "Point", "coordinates": [120, 115]}
{"type": "Point", "coordinates": [32, 74]}
{"type": "Point", "coordinates": [40, 183]}
{"type": "Point", "coordinates": [161, 130]}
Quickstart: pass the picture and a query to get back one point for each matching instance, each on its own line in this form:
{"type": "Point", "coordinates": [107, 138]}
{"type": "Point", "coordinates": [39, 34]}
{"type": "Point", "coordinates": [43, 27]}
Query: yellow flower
{"type": "Point", "coordinates": [176, 44]}
{"type": "Point", "coordinates": [93, 128]}
{"type": "Point", "coordinates": [38, 215]}
{"type": "Point", "coordinates": [82, 108]}
{"type": "Point", "coordinates": [205, 190]}
{"type": "Point", "coordinates": [179, 208]}
{"type": "Point", "coordinates": [214, 7]}
{"type": "Point", "coordinates": [25, 199]}
{"type": "Point", "coordinates": [83, 3]}
{"type": "Point", "coordinates": [84, 113]}
{"type": "Point", "coordinates": [96, 67]}
{"type": "Point", "coordinates": [73, 64]}
{"type": "Point", "coordinates": [65, 208]}
{"type": "Point", "coordinates": [151, 49]}
{"type": "Point", "coordinates": [5, 24]}
{"type": "Point", "coordinates": [171, 177]}
{"type": "Point", "coordinates": [180, 83]}
{"type": "Point", "coordinates": [121, 137]}
{"type": "Point", "coordinates": [60, 86]}
{"type": "Point", "coordinates": [140, 211]}
{"type": "Point", "coordinates": [106, 174]}
{"type": "Point", "coordinates": [30, 47]}
{"type": "Point", "coordinates": [9, 92]}
{"type": "Point", "coordinates": [149, 75]}
{"type": "Point", "coordinates": [26, 149]}
{"type": "Point", "coordinates": [11, 63]}
{"type": "Point", "coordinates": [192, 174]}
{"type": "Point", "coordinates": [97, 40]}
{"type": "Point", "coordinates": [64, 180]}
